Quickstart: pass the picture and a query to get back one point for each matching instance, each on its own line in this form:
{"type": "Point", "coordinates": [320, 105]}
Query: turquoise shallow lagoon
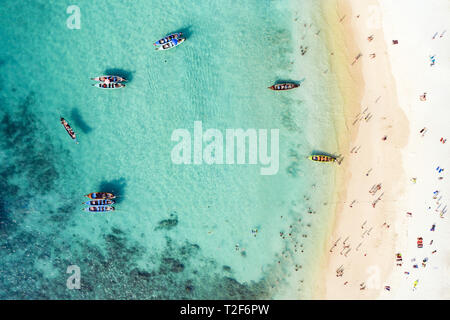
{"type": "Point", "coordinates": [179, 231]}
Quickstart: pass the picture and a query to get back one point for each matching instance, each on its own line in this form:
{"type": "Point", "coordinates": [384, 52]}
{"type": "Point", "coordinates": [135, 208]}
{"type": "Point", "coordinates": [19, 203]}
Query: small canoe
{"type": "Point", "coordinates": [283, 86]}
{"type": "Point", "coordinates": [99, 209]}
{"type": "Point", "coordinates": [103, 85]}
{"type": "Point", "coordinates": [164, 40]}
{"type": "Point", "coordinates": [322, 158]}
{"type": "Point", "coordinates": [171, 44]}
{"type": "Point", "coordinates": [100, 195]}
{"type": "Point", "coordinates": [69, 129]}
{"type": "Point", "coordinates": [109, 79]}
{"type": "Point", "coordinates": [102, 202]}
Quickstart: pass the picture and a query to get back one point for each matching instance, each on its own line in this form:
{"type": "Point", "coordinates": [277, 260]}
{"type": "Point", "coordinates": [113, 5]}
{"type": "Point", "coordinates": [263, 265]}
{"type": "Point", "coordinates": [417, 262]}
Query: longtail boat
{"type": "Point", "coordinates": [164, 40]}
{"type": "Point", "coordinates": [104, 85]}
{"type": "Point", "coordinates": [322, 158]}
{"type": "Point", "coordinates": [99, 209]}
{"type": "Point", "coordinates": [69, 129]}
{"type": "Point", "coordinates": [283, 86]}
{"type": "Point", "coordinates": [102, 202]}
{"type": "Point", "coordinates": [100, 195]}
{"type": "Point", "coordinates": [171, 44]}
{"type": "Point", "coordinates": [109, 79]}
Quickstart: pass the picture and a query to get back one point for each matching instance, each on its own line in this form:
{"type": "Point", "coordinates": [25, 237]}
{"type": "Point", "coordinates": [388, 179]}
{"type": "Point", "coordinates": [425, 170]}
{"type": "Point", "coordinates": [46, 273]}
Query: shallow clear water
{"type": "Point", "coordinates": [176, 227]}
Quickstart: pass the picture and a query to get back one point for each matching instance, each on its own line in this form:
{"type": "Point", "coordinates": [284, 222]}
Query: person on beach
{"type": "Point", "coordinates": [303, 50]}
{"type": "Point", "coordinates": [356, 58]}
{"type": "Point", "coordinates": [433, 60]}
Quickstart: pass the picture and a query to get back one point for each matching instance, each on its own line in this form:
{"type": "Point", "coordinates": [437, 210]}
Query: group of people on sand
{"type": "Point", "coordinates": [424, 250]}
{"type": "Point", "coordinates": [420, 242]}
{"type": "Point", "coordinates": [440, 207]}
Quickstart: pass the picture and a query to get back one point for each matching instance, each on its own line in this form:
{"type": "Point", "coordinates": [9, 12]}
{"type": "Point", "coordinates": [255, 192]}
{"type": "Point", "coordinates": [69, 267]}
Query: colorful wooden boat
{"type": "Point", "coordinates": [100, 195]}
{"type": "Point", "coordinates": [284, 86]}
{"type": "Point", "coordinates": [171, 44]}
{"type": "Point", "coordinates": [322, 158]}
{"type": "Point", "coordinates": [109, 79]}
{"type": "Point", "coordinates": [103, 85]}
{"type": "Point", "coordinates": [102, 202]}
{"type": "Point", "coordinates": [99, 209]}
{"type": "Point", "coordinates": [165, 40]}
{"type": "Point", "coordinates": [69, 129]}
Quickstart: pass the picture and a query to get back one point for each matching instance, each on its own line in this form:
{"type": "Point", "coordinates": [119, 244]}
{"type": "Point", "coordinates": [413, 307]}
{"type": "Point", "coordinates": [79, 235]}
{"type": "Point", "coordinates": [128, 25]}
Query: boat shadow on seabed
{"type": "Point", "coordinates": [121, 73]}
{"type": "Point", "coordinates": [185, 31]}
{"type": "Point", "coordinates": [79, 121]}
{"type": "Point", "coordinates": [281, 81]}
{"type": "Point", "coordinates": [116, 187]}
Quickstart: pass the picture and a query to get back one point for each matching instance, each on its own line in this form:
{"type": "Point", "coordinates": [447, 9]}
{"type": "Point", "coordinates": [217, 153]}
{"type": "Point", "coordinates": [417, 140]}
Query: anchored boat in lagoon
{"type": "Point", "coordinates": [99, 209]}
{"type": "Point", "coordinates": [171, 44]}
{"type": "Point", "coordinates": [109, 79]}
{"type": "Point", "coordinates": [167, 39]}
{"type": "Point", "coordinates": [100, 195]}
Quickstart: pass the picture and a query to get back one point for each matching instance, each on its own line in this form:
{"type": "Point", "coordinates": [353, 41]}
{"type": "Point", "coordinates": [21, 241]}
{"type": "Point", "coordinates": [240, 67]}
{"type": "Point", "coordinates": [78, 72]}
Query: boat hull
{"type": "Point", "coordinates": [171, 44]}
{"type": "Point", "coordinates": [109, 86]}
{"type": "Point", "coordinates": [322, 158]}
{"type": "Point", "coordinates": [100, 195]}
{"type": "Point", "coordinates": [99, 209]}
{"type": "Point", "coordinates": [283, 86]}
{"type": "Point", "coordinates": [100, 202]}
{"type": "Point", "coordinates": [165, 40]}
{"type": "Point", "coordinates": [68, 129]}
{"type": "Point", "coordinates": [112, 79]}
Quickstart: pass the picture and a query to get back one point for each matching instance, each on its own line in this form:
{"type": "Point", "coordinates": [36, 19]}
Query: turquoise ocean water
{"type": "Point", "coordinates": [176, 229]}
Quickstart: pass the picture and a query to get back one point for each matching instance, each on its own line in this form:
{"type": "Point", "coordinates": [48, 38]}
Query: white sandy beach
{"type": "Point", "coordinates": [387, 151]}
{"type": "Point", "coordinates": [414, 24]}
